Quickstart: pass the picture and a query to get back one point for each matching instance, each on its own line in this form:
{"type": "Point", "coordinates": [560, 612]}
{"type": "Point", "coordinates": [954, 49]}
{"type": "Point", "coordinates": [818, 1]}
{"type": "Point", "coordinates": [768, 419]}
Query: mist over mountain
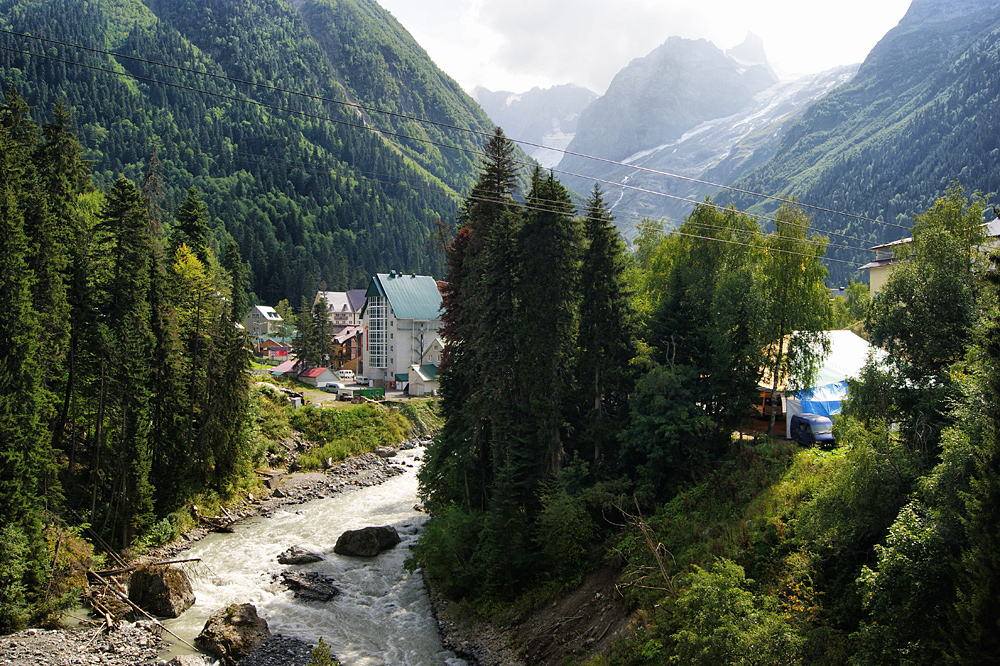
{"type": "Point", "coordinates": [688, 108]}
{"type": "Point", "coordinates": [548, 117]}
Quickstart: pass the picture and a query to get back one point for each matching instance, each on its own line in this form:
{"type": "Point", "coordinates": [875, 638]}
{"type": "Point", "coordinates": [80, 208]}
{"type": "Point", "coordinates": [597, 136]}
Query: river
{"type": "Point", "coordinates": [382, 615]}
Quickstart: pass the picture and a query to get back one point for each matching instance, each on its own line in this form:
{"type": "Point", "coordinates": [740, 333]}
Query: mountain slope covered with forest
{"type": "Point", "coordinates": [290, 119]}
{"type": "Point", "coordinates": [922, 112]}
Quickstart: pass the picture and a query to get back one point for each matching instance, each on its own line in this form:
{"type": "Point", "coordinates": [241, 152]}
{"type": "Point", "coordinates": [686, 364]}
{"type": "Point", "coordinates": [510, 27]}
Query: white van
{"type": "Point", "coordinates": [346, 375]}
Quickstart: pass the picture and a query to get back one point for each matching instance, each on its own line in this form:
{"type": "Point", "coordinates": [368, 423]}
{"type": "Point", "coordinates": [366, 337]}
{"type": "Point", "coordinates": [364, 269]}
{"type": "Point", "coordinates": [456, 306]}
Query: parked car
{"type": "Point", "coordinates": [812, 429]}
{"type": "Point", "coordinates": [332, 387]}
{"type": "Point", "coordinates": [346, 375]}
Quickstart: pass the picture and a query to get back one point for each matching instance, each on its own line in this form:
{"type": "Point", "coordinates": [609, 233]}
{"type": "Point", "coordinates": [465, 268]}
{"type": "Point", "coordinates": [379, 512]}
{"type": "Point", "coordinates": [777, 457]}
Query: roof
{"type": "Point", "coordinates": [847, 356]}
{"type": "Point", "coordinates": [357, 299]}
{"type": "Point", "coordinates": [313, 372]}
{"type": "Point", "coordinates": [347, 333]}
{"type": "Point", "coordinates": [877, 264]}
{"type": "Point", "coordinates": [427, 373]}
{"type": "Point", "coordinates": [287, 366]}
{"type": "Point", "coordinates": [410, 296]}
{"type": "Point", "coordinates": [336, 301]}
{"type": "Point", "coordinates": [402, 377]}
{"type": "Point", "coordinates": [267, 311]}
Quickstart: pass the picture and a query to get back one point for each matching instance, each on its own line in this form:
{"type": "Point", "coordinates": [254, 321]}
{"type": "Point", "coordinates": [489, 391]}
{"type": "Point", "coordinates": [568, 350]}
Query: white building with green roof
{"type": "Point", "coordinates": [401, 319]}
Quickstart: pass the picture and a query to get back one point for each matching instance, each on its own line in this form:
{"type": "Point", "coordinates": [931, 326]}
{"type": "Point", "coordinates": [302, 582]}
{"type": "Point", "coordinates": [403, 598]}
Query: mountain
{"type": "Point", "coordinates": [546, 117]}
{"type": "Point", "coordinates": [687, 108]}
{"type": "Point", "coordinates": [279, 113]}
{"type": "Point", "coordinates": [923, 111]}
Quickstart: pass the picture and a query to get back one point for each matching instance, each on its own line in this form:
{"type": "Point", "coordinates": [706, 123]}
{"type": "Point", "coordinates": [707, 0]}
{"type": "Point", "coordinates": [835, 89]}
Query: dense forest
{"type": "Point", "coordinates": [922, 111]}
{"type": "Point", "coordinates": [280, 115]}
{"type": "Point", "coordinates": [125, 391]}
{"type": "Point", "coordinates": [612, 429]}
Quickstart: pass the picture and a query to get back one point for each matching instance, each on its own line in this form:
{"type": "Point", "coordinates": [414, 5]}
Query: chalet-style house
{"type": "Point", "coordinates": [344, 310]}
{"type": "Point", "coordinates": [343, 307]}
{"type": "Point", "coordinates": [262, 321]}
{"type": "Point", "coordinates": [401, 320]}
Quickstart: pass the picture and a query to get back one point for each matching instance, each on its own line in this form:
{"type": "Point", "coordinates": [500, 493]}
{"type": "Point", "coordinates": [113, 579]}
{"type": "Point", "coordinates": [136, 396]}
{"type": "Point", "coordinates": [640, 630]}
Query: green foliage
{"type": "Point", "coordinates": [321, 655]}
{"type": "Point", "coordinates": [14, 555]}
{"type": "Point", "coordinates": [669, 438]}
{"type": "Point", "coordinates": [723, 622]}
{"type": "Point", "coordinates": [446, 550]}
{"type": "Point", "coordinates": [309, 193]}
{"type": "Point", "coordinates": [907, 596]}
{"type": "Point", "coordinates": [346, 432]}
{"type": "Point", "coordinates": [565, 535]}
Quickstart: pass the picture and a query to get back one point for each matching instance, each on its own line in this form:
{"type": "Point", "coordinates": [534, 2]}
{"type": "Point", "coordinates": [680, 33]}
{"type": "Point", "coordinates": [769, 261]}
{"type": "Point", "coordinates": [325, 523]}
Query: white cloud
{"type": "Point", "coordinates": [514, 45]}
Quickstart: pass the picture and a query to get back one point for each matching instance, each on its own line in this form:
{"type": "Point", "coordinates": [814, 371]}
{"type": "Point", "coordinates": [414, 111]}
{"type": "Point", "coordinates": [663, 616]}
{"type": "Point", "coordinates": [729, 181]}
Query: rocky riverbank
{"type": "Point", "coordinates": [139, 643]}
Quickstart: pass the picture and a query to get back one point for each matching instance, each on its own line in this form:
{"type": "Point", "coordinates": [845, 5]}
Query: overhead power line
{"type": "Point", "coordinates": [377, 131]}
{"type": "Point", "coordinates": [392, 114]}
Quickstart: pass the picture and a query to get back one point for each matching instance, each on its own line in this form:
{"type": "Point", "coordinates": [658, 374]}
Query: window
{"type": "Point", "coordinates": [377, 316]}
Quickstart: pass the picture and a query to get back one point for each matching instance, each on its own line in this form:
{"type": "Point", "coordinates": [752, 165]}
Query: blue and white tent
{"type": "Point", "coordinates": [848, 355]}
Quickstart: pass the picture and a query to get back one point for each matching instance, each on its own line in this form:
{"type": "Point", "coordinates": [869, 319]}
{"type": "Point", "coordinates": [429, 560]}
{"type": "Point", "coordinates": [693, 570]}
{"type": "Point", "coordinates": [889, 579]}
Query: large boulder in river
{"type": "Point", "coordinates": [161, 590]}
{"type": "Point", "coordinates": [298, 555]}
{"type": "Point", "coordinates": [367, 542]}
{"type": "Point", "coordinates": [232, 633]}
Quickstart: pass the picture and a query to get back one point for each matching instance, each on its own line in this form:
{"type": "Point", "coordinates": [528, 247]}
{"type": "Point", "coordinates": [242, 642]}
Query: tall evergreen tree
{"type": "Point", "coordinates": [466, 318]}
{"type": "Point", "coordinates": [608, 329]}
{"type": "Point", "coordinates": [129, 350]}
{"type": "Point", "coordinates": [24, 452]}
{"type": "Point", "coordinates": [548, 294]}
{"type": "Point", "coordinates": [191, 227]}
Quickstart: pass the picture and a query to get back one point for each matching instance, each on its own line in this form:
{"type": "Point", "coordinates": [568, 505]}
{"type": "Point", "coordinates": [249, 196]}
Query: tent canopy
{"type": "Point", "coordinates": [848, 355]}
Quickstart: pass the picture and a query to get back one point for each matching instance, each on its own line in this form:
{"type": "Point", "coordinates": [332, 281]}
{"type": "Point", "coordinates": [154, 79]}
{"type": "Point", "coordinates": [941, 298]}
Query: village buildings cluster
{"type": "Point", "coordinates": [387, 336]}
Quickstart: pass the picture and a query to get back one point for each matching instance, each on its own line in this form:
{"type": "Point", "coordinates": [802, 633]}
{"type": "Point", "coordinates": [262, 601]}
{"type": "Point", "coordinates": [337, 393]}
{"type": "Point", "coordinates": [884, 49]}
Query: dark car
{"type": "Point", "coordinates": [810, 429]}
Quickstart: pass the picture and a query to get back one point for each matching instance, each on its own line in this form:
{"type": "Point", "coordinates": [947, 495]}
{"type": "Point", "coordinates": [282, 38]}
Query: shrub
{"type": "Point", "coordinates": [722, 622]}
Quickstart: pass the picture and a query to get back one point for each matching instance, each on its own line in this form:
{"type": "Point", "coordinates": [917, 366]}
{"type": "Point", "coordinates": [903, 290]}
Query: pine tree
{"type": "Point", "coordinates": [192, 226]}
{"type": "Point", "coordinates": [549, 250]}
{"type": "Point", "coordinates": [608, 322]}
{"type": "Point", "coordinates": [24, 454]}
{"type": "Point", "coordinates": [129, 358]}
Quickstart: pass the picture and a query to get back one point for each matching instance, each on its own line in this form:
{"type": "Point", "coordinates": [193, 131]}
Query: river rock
{"type": "Point", "coordinates": [367, 542]}
{"type": "Point", "coordinates": [298, 555]}
{"type": "Point", "coordinates": [161, 590]}
{"type": "Point", "coordinates": [385, 452]}
{"type": "Point", "coordinates": [309, 585]}
{"type": "Point", "coordinates": [232, 633]}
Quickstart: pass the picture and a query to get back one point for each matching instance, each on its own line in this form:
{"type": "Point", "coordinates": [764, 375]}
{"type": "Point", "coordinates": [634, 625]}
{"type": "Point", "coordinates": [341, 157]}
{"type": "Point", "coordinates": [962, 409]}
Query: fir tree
{"type": "Point", "coordinates": [549, 250]}
{"type": "Point", "coordinates": [24, 452]}
{"type": "Point", "coordinates": [129, 356]}
{"type": "Point", "coordinates": [608, 321]}
{"type": "Point", "coordinates": [192, 226]}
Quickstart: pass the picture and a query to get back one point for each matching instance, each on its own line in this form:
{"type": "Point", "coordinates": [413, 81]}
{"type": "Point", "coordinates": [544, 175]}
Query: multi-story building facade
{"type": "Point", "coordinates": [401, 319]}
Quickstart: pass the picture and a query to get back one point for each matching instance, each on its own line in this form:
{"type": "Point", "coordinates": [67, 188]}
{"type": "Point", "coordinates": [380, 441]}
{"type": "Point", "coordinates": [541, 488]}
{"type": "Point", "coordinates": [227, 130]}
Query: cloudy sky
{"type": "Point", "coordinates": [517, 44]}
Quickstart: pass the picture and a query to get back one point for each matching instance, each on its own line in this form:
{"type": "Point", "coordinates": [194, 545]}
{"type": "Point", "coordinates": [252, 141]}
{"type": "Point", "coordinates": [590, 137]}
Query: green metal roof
{"type": "Point", "coordinates": [402, 376]}
{"type": "Point", "coordinates": [410, 296]}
